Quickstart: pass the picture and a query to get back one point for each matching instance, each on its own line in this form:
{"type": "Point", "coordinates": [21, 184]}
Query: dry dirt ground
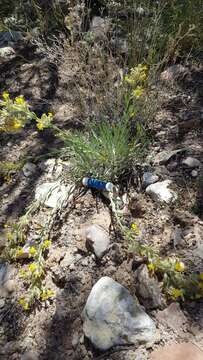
{"type": "Point", "coordinates": [53, 330]}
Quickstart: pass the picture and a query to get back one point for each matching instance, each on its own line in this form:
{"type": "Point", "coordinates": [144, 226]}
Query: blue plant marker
{"type": "Point", "coordinates": [97, 184]}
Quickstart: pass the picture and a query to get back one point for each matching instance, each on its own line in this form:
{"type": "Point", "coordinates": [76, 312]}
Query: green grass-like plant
{"type": "Point", "coordinates": [106, 151]}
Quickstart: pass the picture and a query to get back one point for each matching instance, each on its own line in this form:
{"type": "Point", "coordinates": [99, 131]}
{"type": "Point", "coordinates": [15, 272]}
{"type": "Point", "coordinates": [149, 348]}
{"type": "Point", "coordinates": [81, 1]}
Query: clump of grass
{"type": "Point", "coordinates": [106, 152]}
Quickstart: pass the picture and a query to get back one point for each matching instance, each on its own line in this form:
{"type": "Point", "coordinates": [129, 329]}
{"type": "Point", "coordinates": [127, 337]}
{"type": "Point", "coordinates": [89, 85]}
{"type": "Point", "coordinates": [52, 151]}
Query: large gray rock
{"type": "Point", "coordinates": [147, 289]}
{"type": "Point", "coordinates": [113, 317]}
{"type": "Point", "coordinates": [161, 193]}
{"type": "Point", "coordinates": [97, 240]}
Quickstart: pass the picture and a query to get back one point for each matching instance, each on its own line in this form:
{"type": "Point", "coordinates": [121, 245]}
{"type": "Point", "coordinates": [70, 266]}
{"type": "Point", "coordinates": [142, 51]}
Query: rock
{"type": "Point", "coordinates": [149, 178]}
{"type": "Point", "coordinates": [172, 316]}
{"type": "Point", "coordinates": [163, 157]}
{"type": "Point", "coordinates": [147, 288]}
{"type": "Point", "coordinates": [173, 73]}
{"type": "Point", "coordinates": [178, 237]}
{"type": "Point", "coordinates": [113, 317]}
{"type": "Point", "coordinates": [75, 340]}
{"type": "Point", "coordinates": [7, 285]}
{"type": "Point", "coordinates": [6, 52]}
{"type": "Point", "coordinates": [7, 37]}
{"type": "Point", "coordinates": [29, 169]}
{"type": "Point", "coordinates": [30, 355]}
{"type": "Point", "coordinates": [194, 173]}
{"type": "Point", "coordinates": [191, 162]}
{"type": "Point", "coordinates": [100, 27]}
{"type": "Point", "coordinates": [68, 260]}
{"type": "Point", "coordinates": [53, 194]}
{"type": "Point", "coordinates": [160, 192]}
{"type": "Point", "coordinates": [172, 165]}
{"type": "Point", "coordinates": [2, 303]}
{"type": "Point", "coordinates": [186, 351]}
{"type": "Point", "coordinates": [97, 240]}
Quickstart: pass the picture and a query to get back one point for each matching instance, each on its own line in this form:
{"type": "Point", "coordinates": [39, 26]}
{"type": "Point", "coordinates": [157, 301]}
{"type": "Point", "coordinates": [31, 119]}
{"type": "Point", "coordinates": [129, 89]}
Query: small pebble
{"type": "Point", "coordinates": [194, 173]}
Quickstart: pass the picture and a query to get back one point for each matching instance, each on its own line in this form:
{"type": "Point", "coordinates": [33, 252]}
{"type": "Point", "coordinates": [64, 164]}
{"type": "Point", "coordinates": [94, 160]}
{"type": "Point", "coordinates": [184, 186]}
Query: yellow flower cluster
{"type": "Point", "coordinates": [24, 304]}
{"type": "Point", "coordinates": [44, 121]}
{"type": "Point", "coordinates": [176, 293]}
{"type": "Point", "coordinates": [14, 114]}
{"type": "Point", "coordinates": [136, 79]}
{"type": "Point", "coordinates": [46, 294]}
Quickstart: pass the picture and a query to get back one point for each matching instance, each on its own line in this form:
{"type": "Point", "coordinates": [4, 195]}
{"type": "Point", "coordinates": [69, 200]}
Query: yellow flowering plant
{"type": "Point", "coordinates": [15, 114]}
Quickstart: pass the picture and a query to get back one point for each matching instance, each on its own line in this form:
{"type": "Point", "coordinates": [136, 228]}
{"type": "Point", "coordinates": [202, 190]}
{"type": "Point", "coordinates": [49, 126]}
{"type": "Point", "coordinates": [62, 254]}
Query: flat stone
{"type": "Point", "coordinates": [113, 317]}
{"type": "Point", "coordinates": [186, 351]}
{"type": "Point", "coordinates": [53, 194]}
{"type": "Point", "coordinates": [97, 240]}
{"type": "Point", "coordinates": [147, 288]}
{"type": "Point", "coordinates": [163, 157]}
{"type": "Point", "coordinates": [149, 178]}
{"type": "Point", "coordinates": [191, 162]}
{"type": "Point", "coordinates": [172, 316]}
{"type": "Point", "coordinates": [161, 193]}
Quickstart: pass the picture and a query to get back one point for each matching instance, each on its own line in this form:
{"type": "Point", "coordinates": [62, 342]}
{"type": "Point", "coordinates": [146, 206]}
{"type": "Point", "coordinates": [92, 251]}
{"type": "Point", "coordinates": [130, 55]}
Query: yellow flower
{"type": "Point", "coordinates": [40, 125]}
{"type": "Point", "coordinates": [6, 226]}
{"type": "Point", "coordinates": [24, 304]}
{"type": "Point", "coordinates": [33, 267]}
{"type": "Point", "coordinates": [46, 244]}
{"type": "Point", "coordinates": [176, 293]}
{"type": "Point", "coordinates": [47, 294]}
{"type": "Point", "coordinates": [19, 252]}
{"type": "Point", "coordinates": [200, 284]}
{"type": "Point", "coordinates": [134, 227]}
{"type": "Point", "coordinates": [5, 95]}
{"type": "Point", "coordinates": [17, 124]}
{"type": "Point", "coordinates": [179, 266]}
{"type": "Point", "coordinates": [23, 273]}
{"type": "Point", "coordinates": [32, 251]}
{"type": "Point", "coordinates": [50, 114]}
{"type": "Point", "coordinates": [9, 236]}
{"type": "Point", "coordinates": [201, 276]}
{"type": "Point", "coordinates": [20, 100]}
{"type": "Point", "coordinates": [151, 267]}
{"type": "Point", "coordinates": [138, 92]}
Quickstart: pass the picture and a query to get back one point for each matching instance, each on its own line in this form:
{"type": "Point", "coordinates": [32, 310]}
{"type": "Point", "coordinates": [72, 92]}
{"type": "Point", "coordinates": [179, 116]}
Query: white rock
{"type": "Point", "coordinates": [29, 169]}
{"type": "Point", "coordinates": [53, 194]}
{"type": "Point", "coordinates": [160, 192]}
{"type": "Point", "coordinates": [97, 240]}
{"type": "Point", "coordinates": [6, 52]}
{"type": "Point", "coordinates": [191, 162]}
{"type": "Point", "coordinates": [194, 173]}
{"type": "Point", "coordinates": [113, 317]}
